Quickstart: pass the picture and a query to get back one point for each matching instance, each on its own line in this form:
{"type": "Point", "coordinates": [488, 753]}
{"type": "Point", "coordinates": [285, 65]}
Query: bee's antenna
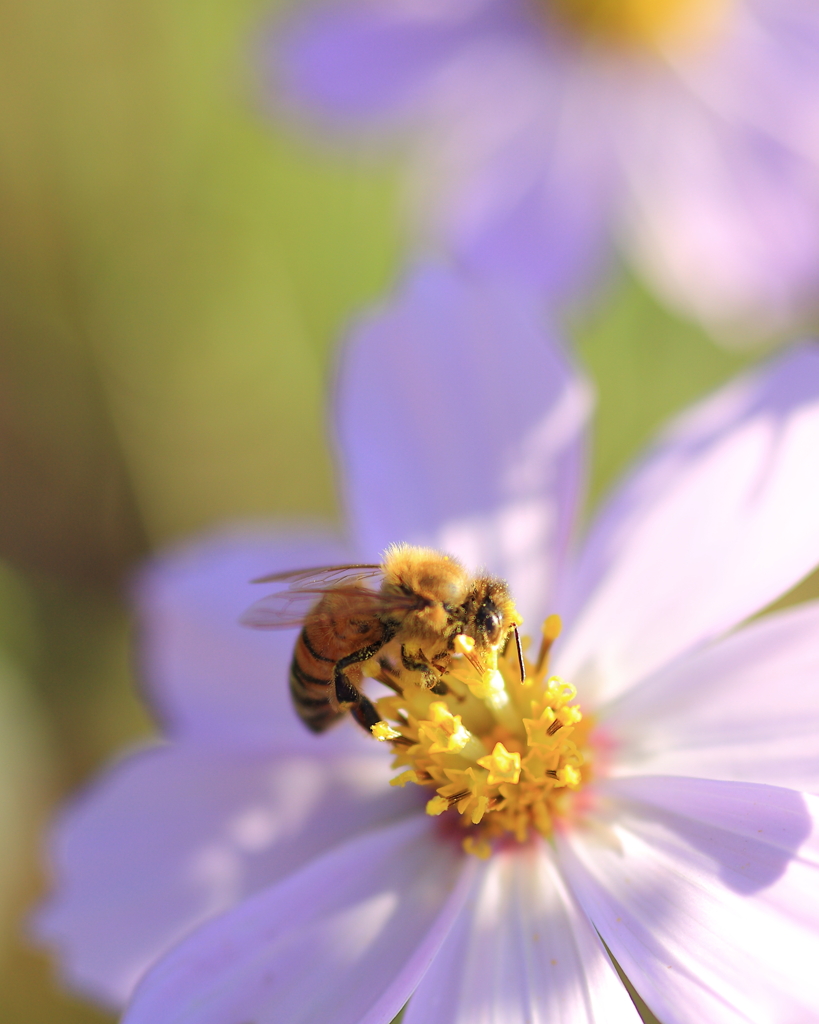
{"type": "Point", "coordinates": [519, 646]}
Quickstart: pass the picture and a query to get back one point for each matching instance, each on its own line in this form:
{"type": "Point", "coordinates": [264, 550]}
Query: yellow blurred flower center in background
{"type": "Point", "coordinates": [644, 24]}
{"type": "Point", "coordinates": [501, 755]}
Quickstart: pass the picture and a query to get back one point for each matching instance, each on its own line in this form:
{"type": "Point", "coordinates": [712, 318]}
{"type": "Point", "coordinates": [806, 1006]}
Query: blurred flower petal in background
{"type": "Point", "coordinates": [345, 897]}
{"type": "Point", "coordinates": [23, 784]}
{"type": "Point", "coordinates": [683, 132]}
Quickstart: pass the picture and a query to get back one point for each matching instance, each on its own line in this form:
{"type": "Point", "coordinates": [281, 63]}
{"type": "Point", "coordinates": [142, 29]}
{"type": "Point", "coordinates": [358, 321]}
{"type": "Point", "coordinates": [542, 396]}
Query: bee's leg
{"type": "Point", "coordinates": [364, 712]}
{"type": "Point", "coordinates": [348, 695]}
{"type": "Point", "coordinates": [419, 662]}
{"type": "Point", "coordinates": [388, 677]}
{"type": "Point", "coordinates": [440, 663]}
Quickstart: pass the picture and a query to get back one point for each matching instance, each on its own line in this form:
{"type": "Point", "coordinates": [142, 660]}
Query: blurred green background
{"type": "Point", "coordinates": [174, 273]}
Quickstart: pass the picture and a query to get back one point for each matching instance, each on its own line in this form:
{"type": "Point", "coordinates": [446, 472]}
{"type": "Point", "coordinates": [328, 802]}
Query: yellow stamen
{"type": "Point", "coordinates": [503, 756]}
{"type": "Point", "coordinates": [445, 732]}
{"type": "Point", "coordinates": [405, 777]}
{"type": "Point", "coordinates": [437, 805]}
{"type": "Point", "coordinates": [503, 766]}
{"type": "Point", "coordinates": [644, 24]}
{"type": "Point", "coordinates": [478, 847]}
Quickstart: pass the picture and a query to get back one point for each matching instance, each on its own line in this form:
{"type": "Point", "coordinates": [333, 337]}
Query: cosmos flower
{"type": "Point", "coordinates": [649, 793]}
{"type": "Point", "coordinates": [547, 133]}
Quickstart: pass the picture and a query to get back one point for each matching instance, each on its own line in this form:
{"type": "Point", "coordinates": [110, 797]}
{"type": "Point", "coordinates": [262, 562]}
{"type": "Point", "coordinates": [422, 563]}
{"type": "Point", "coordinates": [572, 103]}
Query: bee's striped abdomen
{"type": "Point", "coordinates": [326, 638]}
{"type": "Point", "coordinates": [312, 686]}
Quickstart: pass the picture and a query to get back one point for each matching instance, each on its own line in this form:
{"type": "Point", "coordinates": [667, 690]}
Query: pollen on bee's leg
{"type": "Point", "coordinates": [383, 731]}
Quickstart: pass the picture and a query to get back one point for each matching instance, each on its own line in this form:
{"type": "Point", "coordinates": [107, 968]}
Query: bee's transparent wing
{"type": "Point", "coordinates": [325, 575]}
{"type": "Point", "coordinates": [298, 605]}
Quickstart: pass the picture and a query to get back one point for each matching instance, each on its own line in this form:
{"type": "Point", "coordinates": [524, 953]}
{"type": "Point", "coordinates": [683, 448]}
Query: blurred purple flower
{"type": "Point", "coordinates": [462, 425]}
{"type": "Point", "coordinates": [684, 132]}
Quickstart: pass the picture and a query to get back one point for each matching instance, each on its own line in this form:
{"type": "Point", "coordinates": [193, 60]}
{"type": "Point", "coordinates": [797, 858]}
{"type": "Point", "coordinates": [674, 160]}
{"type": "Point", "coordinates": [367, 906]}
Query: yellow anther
{"type": "Point", "coordinates": [477, 847]}
{"type": "Point", "coordinates": [551, 631]}
{"type": "Point", "coordinates": [480, 805]}
{"type": "Point", "coordinates": [559, 693]}
{"type": "Point", "coordinates": [503, 766]}
{"type": "Point", "coordinates": [445, 733]}
{"type": "Point", "coordinates": [552, 628]}
{"type": "Point", "coordinates": [405, 777]}
{"type": "Point", "coordinates": [463, 644]}
{"type": "Point", "coordinates": [437, 805]}
{"type": "Point", "coordinates": [489, 686]}
{"type": "Point", "coordinates": [382, 731]}
{"type": "Point", "coordinates": [570, 716]}
{"type": "Point", "coordinates": [441, 715]}
{"type": "Point", "coordinates": [569, 776]}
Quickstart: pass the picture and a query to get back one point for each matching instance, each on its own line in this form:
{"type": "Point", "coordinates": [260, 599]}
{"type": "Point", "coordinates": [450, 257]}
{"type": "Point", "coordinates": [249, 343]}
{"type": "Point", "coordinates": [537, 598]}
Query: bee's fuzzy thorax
{"type": "Point", "coordinates": [426, 572]}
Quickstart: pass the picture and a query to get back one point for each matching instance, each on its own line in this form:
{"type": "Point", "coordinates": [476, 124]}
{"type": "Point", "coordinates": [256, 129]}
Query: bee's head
{"type": "Point", "coordinates": [490, 613]}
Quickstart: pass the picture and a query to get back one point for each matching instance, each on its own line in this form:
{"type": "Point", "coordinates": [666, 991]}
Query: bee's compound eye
{"type": "Point", "coordinates": [488, 621]}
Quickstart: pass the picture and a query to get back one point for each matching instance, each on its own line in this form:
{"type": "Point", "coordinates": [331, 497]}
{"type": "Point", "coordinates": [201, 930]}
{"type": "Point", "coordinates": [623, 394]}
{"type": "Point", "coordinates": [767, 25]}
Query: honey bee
{"type": "Point", "coordinates": [402, 633]}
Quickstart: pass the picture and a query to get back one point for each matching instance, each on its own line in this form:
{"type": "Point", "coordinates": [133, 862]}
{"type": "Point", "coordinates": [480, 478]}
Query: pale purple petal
{"type": "Point", "coordinates": [745, 709]}
{"type": "Point", "coordinates": [521, 952]}
{"type": "Point", "coordinates": [208, 675]}
{"type": "Point", "coordinates": [344, 940]}
{"type": "Point", "coordinates": [762, 72]}
{"type": "Point", "coordinates": [718, 520]}
{"type": "Point", "coordinates": [369, 62]}
{"type": "Point", "coordinates": [533, 151]}
{"type": "Point", "coordinates": [461, 425]}
{"type": "Point", "coordinates": [515, 171]}
{"type": "Point", "coordinates": [706, 894]}
{"type": "Point", "coordinates": [174, 835]}
{"type": "Point", "coordinates": [722, 215]}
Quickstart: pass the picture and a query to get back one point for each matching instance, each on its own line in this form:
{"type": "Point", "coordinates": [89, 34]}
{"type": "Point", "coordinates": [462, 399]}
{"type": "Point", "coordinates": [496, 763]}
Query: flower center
{"type": "Point", "coordinates": [644, 24]}
{"type": "Point", "coordinates": [503, 756]}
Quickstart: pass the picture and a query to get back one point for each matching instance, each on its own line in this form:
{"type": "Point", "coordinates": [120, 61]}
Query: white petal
{"type": "Point", "coordinates": [461, 425]}
{"type": "Point", "coordinates": [210, 676]}
{"type": "Point", "coordinates": [713, 525]}
{"type": "Point", "coordinates": [706, 894]}
{"type": "Point", "coordinates": [521, 952]}
{"type": "Point", "coordinates": [174, 835]}
{"type": "Point", "coordinates": [744, 709]}
{"type": "Point", "coordinates": [344, 940]}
